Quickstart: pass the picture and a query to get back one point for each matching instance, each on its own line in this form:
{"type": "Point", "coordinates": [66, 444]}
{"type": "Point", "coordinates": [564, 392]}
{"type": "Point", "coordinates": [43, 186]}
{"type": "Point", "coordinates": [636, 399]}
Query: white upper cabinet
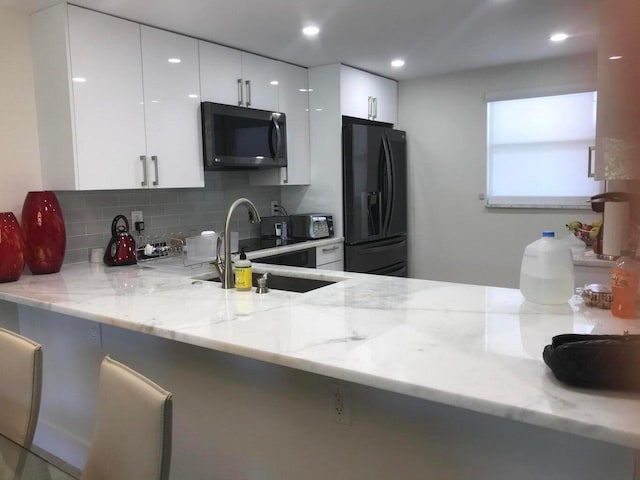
{"type": "Point", "coordinates": [618, 118]}
{"type": "Point", "coordinates": [260, 76]}
{"type": "Point", "coordinates": [293, 88]}
{"type": "Point", "coordinates": [171, 103]}
{"type": "Point", "coordinates": [108, 105]}
{"type": "Point", "coordinates": [368, 96]}
{"type": "Point", "coordinates": [233, 77]}
{"type": "Point", "coordinates": [97, 129]}
{"type": "Point", "coordinates": [220, 74]}
{"type": "Point", "coordinates": [385, 99]}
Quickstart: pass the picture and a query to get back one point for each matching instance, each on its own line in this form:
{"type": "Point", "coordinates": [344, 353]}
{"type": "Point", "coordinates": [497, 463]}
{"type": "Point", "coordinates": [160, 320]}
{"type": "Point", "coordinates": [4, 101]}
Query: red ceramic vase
{"type": "Point", "coordinates": [11, 248]}
{"type": "Point", "coordinates": [44, 234]}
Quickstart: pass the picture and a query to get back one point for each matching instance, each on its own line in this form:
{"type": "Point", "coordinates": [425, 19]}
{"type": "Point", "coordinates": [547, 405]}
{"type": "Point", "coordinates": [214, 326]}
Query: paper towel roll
{"type": "Point", "coordinates": [616, 221]}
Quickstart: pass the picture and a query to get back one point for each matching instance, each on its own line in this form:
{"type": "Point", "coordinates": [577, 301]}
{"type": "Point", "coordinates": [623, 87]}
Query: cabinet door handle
{"type": "Point", "coordinates": [370, 110]}
{"type": "Point", "coordinates": [375, 107]}
{"type": "Point", "coordinates": [330, 249]}
{"type": "Point", "coordinates": [248, 84]}
{"type": "Point", "coordinates": [591, 173]}
{"type": "Point", "coordinates": [240, 93]}
{"type": "Point", "coordinates": [154, 159]}
{"type": "Point", "coordinates": [143, 159]}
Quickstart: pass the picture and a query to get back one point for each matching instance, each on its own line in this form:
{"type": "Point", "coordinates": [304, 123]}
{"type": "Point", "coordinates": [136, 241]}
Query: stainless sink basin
{"type": "Point", "coordinates": [290, 284]}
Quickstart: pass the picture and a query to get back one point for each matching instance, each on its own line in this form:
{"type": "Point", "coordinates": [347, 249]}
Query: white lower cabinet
{"type": "Point", "coordinates": [113, 109]}
{"type": "Point", "coordinates": [330, 257]}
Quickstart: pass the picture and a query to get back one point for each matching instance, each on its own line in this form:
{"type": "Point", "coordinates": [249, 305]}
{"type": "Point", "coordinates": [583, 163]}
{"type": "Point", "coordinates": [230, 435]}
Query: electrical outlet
{"type": "Point", "coordinates": [95, 334]}
{"type": "Point", "coordinates": [136, 216]}
{"type": "Point", "coordinates": [341, 405]}
{"type": "Point", "coordinates": [274, 207]}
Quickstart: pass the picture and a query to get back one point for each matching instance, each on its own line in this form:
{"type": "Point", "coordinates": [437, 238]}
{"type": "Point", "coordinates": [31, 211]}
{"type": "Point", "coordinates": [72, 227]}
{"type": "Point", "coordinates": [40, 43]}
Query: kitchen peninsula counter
{"type": "Point", "coordinates": [470, 347]}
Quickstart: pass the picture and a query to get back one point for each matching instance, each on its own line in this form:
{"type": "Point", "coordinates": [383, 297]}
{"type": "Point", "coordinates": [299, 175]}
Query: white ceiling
{"type": "Point", "coordinates": [433, 36]}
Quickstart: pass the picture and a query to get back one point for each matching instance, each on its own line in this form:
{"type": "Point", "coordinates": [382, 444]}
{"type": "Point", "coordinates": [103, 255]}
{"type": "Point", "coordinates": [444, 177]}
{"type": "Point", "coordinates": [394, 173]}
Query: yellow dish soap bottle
{"type": "Point", "coordinates": [243, 272]}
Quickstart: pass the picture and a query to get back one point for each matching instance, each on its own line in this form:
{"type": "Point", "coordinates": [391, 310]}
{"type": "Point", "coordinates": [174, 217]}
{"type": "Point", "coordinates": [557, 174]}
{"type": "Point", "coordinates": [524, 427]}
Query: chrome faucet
{"type": "Point", "coordinates": [224, 267]}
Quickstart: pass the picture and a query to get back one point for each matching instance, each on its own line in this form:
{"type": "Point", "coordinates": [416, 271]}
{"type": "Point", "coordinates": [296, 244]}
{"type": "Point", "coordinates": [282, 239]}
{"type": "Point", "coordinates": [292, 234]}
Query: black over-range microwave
{"type": "Point", "coordinates": [239, 137]}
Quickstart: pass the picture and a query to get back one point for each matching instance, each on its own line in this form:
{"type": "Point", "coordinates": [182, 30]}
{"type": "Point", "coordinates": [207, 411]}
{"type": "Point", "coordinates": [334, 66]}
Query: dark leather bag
{"type": "Point", "coordinates": [595, 361]}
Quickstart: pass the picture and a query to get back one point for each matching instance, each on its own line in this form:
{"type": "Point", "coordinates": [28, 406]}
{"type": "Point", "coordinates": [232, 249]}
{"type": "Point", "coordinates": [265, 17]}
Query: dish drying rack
{"type": "Point", "coordinates": [157, 248]}
{"type": "Point", "coordinates": [194, 251]}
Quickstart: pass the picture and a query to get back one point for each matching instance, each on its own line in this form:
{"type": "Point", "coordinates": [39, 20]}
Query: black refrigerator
{"type": "Point", "coordinates": [374, 163]}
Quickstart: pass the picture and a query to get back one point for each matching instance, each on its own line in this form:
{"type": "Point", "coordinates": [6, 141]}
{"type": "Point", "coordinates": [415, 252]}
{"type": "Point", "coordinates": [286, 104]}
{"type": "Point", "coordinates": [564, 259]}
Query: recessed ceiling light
{"type": "Point", "coordinates": [174, 60]}
{"type": "Point", "coordinates": [193, 95]}
{"type": "Point", "coordinates": [615, 57]}
{"type": "Point", "coordinates": [311, 30]}
{"type": "Point", "coordinates": [397, 63]}
{"type": "Point", "coordinates": [558, 37]}
{"type": "Point", "coordinates": [79, 79]}
{"type": "Point", "coordinates": [274, 82]}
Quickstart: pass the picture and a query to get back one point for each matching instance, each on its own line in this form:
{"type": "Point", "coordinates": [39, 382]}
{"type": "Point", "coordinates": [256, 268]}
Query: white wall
{"type": "Point", "coordinates": [19, 153]}
{"type": "Point", "coordinates": [452, 236]}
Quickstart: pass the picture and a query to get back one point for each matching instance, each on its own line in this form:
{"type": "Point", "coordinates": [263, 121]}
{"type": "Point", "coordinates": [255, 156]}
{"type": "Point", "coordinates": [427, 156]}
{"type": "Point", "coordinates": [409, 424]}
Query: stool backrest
{"type": "Point", "coordinates": [132, 433]}
{"type": "Point", "coordinates": [20, 387]}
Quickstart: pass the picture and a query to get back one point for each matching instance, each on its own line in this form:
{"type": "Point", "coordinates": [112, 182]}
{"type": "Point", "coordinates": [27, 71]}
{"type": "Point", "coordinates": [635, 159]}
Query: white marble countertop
{"type": "Point", "coordinates": [473, 347]}
{"type": "Point", "coordinates": [586, 257]}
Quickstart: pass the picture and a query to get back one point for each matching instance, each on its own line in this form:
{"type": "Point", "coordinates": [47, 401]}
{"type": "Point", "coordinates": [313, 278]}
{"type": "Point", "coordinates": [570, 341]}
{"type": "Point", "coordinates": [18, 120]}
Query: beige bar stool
{"type": "Point", "coordinates": [132, 434]}
{"type": "Point", "coordinates": [20, 387]}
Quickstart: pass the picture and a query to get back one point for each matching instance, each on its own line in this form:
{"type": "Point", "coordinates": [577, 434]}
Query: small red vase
{"type": "Point", "coordinates": [45, 238]}
{"type": "Point", "coordinates": [11, 248]}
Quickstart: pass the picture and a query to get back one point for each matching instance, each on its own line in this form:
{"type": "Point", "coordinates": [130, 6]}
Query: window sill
{"type": "Point", "coordinates": [537, 207]}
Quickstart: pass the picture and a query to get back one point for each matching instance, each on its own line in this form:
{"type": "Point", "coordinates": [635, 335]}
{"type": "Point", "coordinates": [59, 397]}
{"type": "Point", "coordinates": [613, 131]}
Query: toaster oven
{"type": "Point", "coordinates": [311, 226]}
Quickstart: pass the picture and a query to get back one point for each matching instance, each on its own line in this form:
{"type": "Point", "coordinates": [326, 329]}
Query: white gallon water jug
{"type": "Point", "coordinates": [546, 274]}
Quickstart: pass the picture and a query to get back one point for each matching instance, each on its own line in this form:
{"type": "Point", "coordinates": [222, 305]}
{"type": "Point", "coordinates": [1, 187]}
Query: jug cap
{"type": "Point", "coordinates": [548, 233]}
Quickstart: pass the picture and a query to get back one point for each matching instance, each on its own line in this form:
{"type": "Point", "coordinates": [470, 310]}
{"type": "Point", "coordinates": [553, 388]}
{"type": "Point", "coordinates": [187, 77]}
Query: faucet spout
{"type": "Point", "coordinates": [224, 267]}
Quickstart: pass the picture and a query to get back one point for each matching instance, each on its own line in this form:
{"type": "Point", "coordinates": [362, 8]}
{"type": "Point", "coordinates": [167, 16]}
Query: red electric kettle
{"type": "Point", "coordinates": [121, 249]}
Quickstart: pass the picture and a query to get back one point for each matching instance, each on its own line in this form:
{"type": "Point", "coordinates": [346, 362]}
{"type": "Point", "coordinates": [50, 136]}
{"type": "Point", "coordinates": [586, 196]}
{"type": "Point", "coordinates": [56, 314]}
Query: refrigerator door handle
{"type": "Point", "coordinates": [388, 201]}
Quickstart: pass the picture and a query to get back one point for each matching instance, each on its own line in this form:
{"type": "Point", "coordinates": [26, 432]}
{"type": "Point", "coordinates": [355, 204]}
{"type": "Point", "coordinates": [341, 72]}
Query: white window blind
{"type": "Point", "coordinates": [538, 150]}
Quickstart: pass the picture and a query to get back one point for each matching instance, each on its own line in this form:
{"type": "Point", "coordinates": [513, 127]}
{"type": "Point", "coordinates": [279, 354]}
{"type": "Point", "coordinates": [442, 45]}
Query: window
{"type": "Point", "coordinates": [538, 151]}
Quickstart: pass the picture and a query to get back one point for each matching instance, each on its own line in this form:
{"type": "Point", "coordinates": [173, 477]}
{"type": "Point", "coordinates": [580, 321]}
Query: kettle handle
{"type": "Point", "coordinates": [114, 224]}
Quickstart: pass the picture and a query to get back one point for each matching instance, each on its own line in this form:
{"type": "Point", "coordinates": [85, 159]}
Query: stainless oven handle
{"type": "Point", "coordinates": [143, 159]}
{"type": "Point", "coordinates": [274, 119]}
{"type": "Point", "coordinates": [240, 93]}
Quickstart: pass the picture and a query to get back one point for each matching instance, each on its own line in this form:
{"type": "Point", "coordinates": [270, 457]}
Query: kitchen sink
{"type": "Point", "coordinates": [289, 284]}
